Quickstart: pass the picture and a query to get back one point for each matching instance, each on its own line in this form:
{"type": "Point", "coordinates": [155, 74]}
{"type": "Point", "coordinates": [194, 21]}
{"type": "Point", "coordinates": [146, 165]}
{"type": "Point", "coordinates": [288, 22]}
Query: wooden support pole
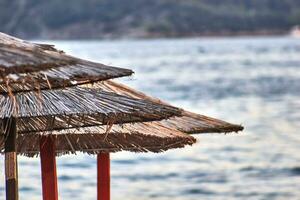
{"type": "Point", "coordinates": [48, 167]}
{"type": "Point", "coordinates": [103, 178]}
{"type": "Point", "coordinates": [11, 170]}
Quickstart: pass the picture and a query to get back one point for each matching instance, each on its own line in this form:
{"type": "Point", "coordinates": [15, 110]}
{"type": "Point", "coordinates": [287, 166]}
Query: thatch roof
{"type": "Point", "coordinates": [189, 122]}
{"type": "Point", "coordinates": [29, 70]}
{"type": "Point", "coordinates": [26, 66]}
{"type": "Point", "coordinates": [93, 111]}
{"type": "Point", "coordinates": [78, 107]}
{"type": "Point", "coordinates": [140, 137]}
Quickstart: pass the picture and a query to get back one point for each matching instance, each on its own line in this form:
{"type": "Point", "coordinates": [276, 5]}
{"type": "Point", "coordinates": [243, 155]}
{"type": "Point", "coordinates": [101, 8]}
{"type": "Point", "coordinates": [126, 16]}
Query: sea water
{"type": "Point", "coordinates": [252, 81]}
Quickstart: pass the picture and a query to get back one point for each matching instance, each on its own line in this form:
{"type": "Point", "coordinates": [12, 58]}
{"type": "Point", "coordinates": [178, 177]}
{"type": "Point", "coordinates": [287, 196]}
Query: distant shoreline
{"type": "Point", "coordinates": [142, 19]}
{"type": "Point", "coordinates": [113, 36]}
{"type": "Point", "coordinates": [221, 34]}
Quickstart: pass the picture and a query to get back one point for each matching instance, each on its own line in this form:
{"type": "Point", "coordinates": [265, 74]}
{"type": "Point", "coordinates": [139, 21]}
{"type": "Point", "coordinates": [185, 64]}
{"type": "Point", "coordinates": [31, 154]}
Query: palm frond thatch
{"type": "Point", "coordinates": [140, 137]}
{"type": "Point", "coordinates": [26, 66]}
{"type": "Point", "coordinates": [189, 122]}
{"type": "Point", "coordinates": [78, 107]}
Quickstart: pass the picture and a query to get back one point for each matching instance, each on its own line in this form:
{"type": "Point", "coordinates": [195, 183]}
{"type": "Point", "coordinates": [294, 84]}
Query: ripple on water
{"type": "Point", "coordinates": [148, 177]}
{"type": "Point", "coordinates": [199, 191]}
{"type": "Point", "coordinates": [269, 172]}
{"type": "Point", "coordinates": [295, 171]}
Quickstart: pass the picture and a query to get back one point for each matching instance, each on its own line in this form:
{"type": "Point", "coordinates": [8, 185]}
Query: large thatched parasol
{"type": "Point", "coordinates": [52, 119]}
{"type": "Point", "coordinates": [34, 99]}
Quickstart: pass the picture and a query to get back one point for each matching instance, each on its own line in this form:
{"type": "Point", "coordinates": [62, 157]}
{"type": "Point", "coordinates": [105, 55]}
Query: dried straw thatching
{"type": "Point", "coordinates": [80, 118]}
{"type": "Point", "coordinates": [77, 107]}
{"type": "Point", "coordinates": [26, 66]}
{"type": "Point", "coordinates": [189, 122]}
{"type": "Point", "coordinates": [139, 137]}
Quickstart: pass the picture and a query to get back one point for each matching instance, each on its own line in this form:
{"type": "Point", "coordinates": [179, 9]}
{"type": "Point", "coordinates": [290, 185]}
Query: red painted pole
{"type": "Point", "coordinates": [103, 178]}
{"type": "Point", "coordinates": [48, 165]}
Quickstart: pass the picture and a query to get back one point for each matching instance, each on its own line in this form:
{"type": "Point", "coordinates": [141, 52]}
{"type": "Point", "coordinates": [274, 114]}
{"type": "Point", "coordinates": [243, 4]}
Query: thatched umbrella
{"type": "Point", "coordinates": [133, 137]}
{"type": "Point", "coordinates": [34, 98]}
{"type": "Point", "coordinates": [138, 137]}
{"type": "Point", "coordinates": [93, 133]}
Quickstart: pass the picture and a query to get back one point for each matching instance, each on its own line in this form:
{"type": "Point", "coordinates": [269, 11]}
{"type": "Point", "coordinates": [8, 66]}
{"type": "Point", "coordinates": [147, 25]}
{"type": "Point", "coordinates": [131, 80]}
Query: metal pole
{"type": "Point", "coordinates": [11, 171]}
{"type": "Point", "coordinates": [48, 167]}
{"type": "Point", "coordinates": [103, 179]}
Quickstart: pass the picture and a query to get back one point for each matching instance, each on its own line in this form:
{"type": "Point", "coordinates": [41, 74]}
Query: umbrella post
{"type": "Point", "coordinates": [11, 170]}
{"type": "Point", "coordinates": [48, 167]}
{"type": "Point", "coordinates": [103, 176]}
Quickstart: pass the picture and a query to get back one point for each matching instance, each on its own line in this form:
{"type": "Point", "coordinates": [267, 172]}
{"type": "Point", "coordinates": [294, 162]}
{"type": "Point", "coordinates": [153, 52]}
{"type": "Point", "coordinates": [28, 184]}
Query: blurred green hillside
{"type": "Point", "coordinates": [76, 19]}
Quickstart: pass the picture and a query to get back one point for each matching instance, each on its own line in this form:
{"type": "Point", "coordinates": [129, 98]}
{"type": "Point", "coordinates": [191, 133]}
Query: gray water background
{"type": "Point", "coordinates": [253, 81]}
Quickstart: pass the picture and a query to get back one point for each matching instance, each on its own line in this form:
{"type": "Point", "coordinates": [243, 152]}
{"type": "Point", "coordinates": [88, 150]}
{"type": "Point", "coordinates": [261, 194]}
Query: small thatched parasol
{"type": "Point", "coordinates": [34, 99]}
{"type": "Point", "coordinates": [137, 137]}
{"type": "Point", "coordinates": [100, 140]}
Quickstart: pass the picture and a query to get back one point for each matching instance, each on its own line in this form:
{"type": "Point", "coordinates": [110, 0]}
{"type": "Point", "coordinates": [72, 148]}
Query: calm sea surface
{"type": "Point", "coordinates": [250, 81]}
